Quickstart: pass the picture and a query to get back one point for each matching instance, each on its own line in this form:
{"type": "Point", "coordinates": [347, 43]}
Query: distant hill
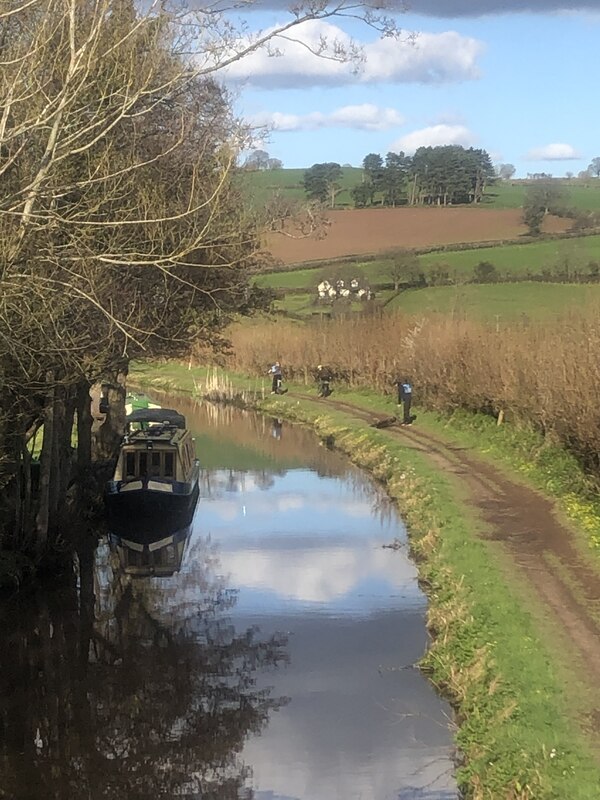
{"type": "Point", "coordinates": [262, 184]}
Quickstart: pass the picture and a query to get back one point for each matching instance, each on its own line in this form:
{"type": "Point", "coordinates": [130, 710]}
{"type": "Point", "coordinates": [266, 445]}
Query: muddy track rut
{"type": "Point", "coordinates": [540, 547]}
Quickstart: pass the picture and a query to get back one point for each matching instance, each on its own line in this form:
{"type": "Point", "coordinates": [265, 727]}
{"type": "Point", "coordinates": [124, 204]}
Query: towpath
{"type": "Point", "coordinates": [541, 549]}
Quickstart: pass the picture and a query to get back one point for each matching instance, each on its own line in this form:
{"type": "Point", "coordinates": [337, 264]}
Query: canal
{"type": "Point", "coordinates": [277, 663]}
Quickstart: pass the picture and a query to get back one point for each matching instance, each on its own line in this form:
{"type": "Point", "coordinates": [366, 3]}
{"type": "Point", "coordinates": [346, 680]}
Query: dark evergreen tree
{"type": "Point", "coordinates": [395, 179]}
{"type": "Point", "coordinates": [322, 182]}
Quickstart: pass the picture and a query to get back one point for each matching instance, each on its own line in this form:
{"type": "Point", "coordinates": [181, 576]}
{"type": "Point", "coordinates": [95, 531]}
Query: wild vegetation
{"type": "Point", "coordinates": [545, 374]}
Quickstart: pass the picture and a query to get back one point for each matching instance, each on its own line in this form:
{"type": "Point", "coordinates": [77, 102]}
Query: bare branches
{"type": "Point", "coordinates": [120, 222]}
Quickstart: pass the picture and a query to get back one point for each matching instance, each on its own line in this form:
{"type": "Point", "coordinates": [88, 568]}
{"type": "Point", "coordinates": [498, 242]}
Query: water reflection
{"type": "Point", "coordinates": [152, 547]}
{"type": "Point", "coordinates": [307, 557]}
{"type": "Point", "coordinates": [118, 686]}
{"type": "Point", "coordinates": [125, 689]}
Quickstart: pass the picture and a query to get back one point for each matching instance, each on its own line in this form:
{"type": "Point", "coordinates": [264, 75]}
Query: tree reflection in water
{"type": "Point", "coordinates": [121, 688]}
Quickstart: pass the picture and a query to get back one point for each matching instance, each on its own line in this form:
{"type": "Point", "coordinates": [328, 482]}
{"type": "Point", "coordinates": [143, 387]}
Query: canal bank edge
{"type": "Point", "coordinates": [516, 732]}
{"type": "Point", "coordinates": [516, 737]}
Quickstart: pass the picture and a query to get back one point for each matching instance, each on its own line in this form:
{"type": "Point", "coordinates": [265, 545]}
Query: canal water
{"type": "Point", "coordinates": [277, 663]}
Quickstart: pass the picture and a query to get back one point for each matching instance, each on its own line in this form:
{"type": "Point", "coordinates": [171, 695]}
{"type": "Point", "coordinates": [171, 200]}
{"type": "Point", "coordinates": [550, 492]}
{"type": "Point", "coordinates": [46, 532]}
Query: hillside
{"type": "Point", "coordinates": [262, 184]}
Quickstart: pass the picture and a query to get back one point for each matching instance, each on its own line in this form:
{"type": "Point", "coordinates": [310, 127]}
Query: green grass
{"type": "Point", "coordinates": [292, 279]}
{"type": "Point", "coordinates": [518, 259]}
{"type": "Point", "coordinates": [297, 304]}
{"type": "Point", "coordinates": [502, 301]}
{"type": "Point", "coordinates": [510, 259]}
{"type": "Point", "coordinates": [305, 305]}
{"type": "Point", "coordinates": [584, 195]}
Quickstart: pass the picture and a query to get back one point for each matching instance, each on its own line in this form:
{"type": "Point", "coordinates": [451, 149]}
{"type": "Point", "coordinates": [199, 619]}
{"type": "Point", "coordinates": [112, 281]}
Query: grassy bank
{"type": "Point", "coordinates": [516, 723]}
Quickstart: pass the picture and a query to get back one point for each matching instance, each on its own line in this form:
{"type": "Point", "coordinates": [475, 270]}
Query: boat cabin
{"type": "Point", "coordinates": [156, 445]}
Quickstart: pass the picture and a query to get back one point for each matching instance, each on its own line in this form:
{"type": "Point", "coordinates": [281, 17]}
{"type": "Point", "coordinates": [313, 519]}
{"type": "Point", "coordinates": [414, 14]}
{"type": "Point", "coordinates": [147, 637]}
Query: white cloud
{"type": "Point", "coordinates": [433, 136]}
{"type": "Point", "coordinates": [553, 152]}
{"type": "Point", "coordinates": [318, 575]}
{"type": "Point", "coordinates": [367, 117]}
{"type": "Point", "coordinates": [433, 58]}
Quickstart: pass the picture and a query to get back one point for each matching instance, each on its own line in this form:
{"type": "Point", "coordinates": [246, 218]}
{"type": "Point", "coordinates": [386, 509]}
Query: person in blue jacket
{"type": "Point", "coordinates": [405, 399]}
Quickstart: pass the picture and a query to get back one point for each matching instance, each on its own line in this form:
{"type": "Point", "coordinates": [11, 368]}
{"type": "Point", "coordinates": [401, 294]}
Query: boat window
{"type": "Point", "coordinates": [130, 465]}
{"type": "Point", "coordinates": [169, 464]}
{"type": "Point", "coordinates": [155, 464]}
{"type": "Point", "coordinates": [143, 463]}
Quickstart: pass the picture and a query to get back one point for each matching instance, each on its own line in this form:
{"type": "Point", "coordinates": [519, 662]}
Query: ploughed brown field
{"type": "Point", "coordinates": [362, 231]}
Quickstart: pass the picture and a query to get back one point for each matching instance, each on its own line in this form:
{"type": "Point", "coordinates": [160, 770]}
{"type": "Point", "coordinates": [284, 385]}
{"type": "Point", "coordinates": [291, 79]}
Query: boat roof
{"type": "Point", "coordinates": [157, 415]}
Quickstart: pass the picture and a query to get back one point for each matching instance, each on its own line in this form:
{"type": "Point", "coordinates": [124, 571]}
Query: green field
{"type": "Point", "coordinates": [306, 305]}
{"type": "Point", "coordinates": [516, 259]}
{"type": "Point", "coordinates": [503, 301]}
{"type": "Point", "coordinates": [288, 182]}
{"type": "Point", "coordinates": [262, 184]}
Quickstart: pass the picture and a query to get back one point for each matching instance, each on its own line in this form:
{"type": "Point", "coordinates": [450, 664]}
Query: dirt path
{"type": "Point", "coordinates": [540, 548]}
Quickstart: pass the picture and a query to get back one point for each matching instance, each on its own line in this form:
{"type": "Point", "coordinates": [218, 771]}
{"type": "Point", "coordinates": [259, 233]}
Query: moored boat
{"type": "Point", "coordinates": [155, 481]}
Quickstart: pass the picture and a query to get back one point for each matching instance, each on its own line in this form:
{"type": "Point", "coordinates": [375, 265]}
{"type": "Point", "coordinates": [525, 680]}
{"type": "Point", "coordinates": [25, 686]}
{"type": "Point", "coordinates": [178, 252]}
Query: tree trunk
{"type": "Point", "coordinates": [43, 514]}
{"type": "Point", "coordinates": [84, 428]}
{"type": "Point", "coordinates": [112, 429]}
{"type": "Point", "coordinates": [25, 503]}
{"type": "Point", "coordinates": [57, 433]}
{"type": "Point", "coordinates": [66, 452]}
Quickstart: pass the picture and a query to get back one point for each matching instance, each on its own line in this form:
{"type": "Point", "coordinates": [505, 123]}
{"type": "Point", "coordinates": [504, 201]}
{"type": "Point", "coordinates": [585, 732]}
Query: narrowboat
{"type": "Point", "coordinates": [155, 481]}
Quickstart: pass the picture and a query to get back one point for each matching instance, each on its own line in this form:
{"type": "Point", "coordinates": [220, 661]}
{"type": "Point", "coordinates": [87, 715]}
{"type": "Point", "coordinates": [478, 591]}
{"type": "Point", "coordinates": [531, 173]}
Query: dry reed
{"type": "Point", "coordinates": [547, 374]}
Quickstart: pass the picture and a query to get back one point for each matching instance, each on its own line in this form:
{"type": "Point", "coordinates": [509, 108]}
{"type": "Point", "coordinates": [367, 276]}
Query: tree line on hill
{"type": "Point", "coordinates": [444, 175]}
{"type": "Point", "coordinates": [441, 176]}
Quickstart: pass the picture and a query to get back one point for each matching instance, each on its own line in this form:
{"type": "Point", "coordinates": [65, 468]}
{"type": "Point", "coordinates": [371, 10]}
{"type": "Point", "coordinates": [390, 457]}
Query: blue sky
{"type": "Point", "coordinates": [522, 84]}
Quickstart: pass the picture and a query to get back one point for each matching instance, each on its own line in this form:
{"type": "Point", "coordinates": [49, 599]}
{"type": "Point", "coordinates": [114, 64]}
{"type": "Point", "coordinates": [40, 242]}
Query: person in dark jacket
{"type": "Point", "coordinates": [405, 399]}
{"type": "Point", "coordinates": [324, 378]}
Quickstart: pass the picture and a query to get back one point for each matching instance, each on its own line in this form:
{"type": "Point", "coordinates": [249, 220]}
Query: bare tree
{"type": "Point", "coordinates": [122, 233]}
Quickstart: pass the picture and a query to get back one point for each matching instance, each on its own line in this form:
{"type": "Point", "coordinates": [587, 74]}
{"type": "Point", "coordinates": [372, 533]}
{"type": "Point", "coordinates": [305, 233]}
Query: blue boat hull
{"type": "Point", "coordinates": [141, 512]}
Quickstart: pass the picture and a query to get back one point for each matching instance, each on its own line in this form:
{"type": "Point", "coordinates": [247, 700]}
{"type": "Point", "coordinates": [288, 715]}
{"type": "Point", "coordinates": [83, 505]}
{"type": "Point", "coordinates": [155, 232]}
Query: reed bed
{"type": "Point", "coordinates": [546, 374]}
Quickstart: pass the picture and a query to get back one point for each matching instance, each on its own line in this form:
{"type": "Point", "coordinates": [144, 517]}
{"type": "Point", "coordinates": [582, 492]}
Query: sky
{"type": "Point", "coordinates": [517, 78]}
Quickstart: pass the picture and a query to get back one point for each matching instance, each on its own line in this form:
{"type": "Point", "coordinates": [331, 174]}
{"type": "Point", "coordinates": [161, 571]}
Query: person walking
{"type": "Point", "coordinates": [324, 377]}
{"type": "Point", "coordinates": [405, 400]}
{"type": "Point", "coordinates": [277, 376]}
